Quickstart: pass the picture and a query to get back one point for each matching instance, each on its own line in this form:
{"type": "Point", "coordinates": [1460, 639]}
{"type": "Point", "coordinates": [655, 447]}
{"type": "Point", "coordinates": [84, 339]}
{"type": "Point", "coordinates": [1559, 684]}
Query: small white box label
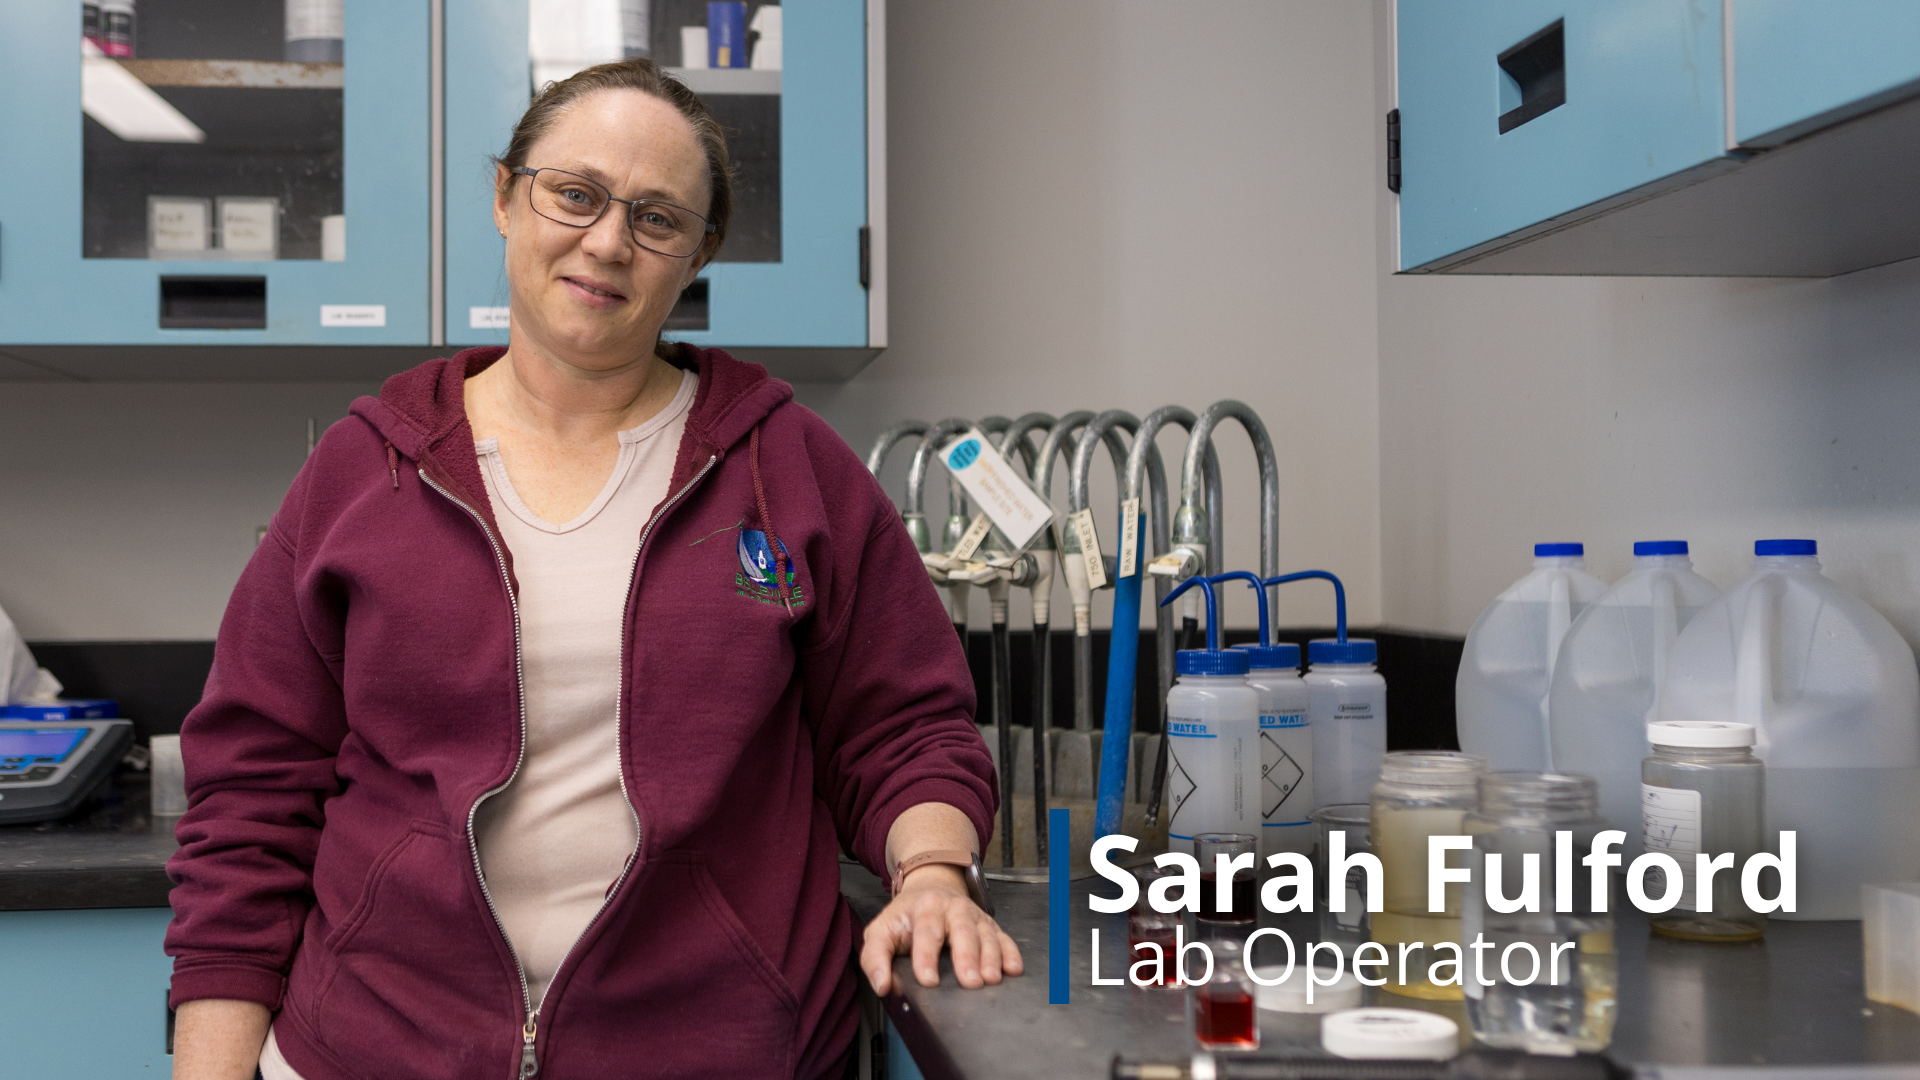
{"type": "Point", "coordinates": [487, 318]}
{"type": "Point", "coordinates": [353, 314]}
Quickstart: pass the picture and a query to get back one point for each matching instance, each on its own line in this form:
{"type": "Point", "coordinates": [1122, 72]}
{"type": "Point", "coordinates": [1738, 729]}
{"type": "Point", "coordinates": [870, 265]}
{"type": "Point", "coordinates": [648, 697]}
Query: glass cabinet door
{"type": "Point", "coordinates": [244, 172]}
{"type": "Point", "coordinates": [789, 85]}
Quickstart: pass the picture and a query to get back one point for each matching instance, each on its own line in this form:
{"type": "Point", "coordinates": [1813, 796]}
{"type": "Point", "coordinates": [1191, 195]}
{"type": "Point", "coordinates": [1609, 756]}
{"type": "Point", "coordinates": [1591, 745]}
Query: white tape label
{"type": "Point", "coordinates": [970, 540]}
{"type": "Point", "coordinates": [1090, 548]}
{"type": "Point", "coordinates": [487, 318]}
{"type": "Point", "coordinates": [1129, 537]}
{"type": "Point", "coordinates": [353, 314]}
{"type": "Point", "coordinates": [996, 488]}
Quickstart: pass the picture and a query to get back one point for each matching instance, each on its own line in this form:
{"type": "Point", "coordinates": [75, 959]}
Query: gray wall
{"type": "Point", "coordinates": [1609, 410]}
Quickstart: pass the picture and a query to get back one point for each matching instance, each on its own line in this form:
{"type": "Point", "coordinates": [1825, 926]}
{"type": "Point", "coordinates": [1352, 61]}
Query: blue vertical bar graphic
{"type": "Point", "coordinates": [1059, 878]}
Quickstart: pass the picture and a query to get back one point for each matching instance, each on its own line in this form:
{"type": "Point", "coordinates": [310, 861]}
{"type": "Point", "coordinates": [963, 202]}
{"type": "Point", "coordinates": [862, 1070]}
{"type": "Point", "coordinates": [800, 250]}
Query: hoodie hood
{"type": "Point", "coordinates": [422, 414]}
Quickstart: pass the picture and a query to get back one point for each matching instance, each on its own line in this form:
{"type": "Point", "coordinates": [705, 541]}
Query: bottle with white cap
{"type": "Point", "coordinates": [1500, 695]}
{"type": "Point", "coordinates": [1830, 689]}
{"type": "Point", "coordinates": [1703, 792]}
{"type": "Point", "coordinates": [1213, 731]}
{"type": "Point", "coordinates": [1610, 671]}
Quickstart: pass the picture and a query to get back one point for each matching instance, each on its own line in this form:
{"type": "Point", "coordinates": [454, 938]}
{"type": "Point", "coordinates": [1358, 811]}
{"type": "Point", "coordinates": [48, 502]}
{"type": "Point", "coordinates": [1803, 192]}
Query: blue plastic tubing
{"type": "Point", "coordinates": [1116, 745]}
{"type": "Point", "coordinates": [1339, 597]}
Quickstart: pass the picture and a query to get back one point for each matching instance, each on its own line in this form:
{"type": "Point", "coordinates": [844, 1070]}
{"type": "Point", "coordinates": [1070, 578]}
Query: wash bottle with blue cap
{"type": "Point", "coordinates": [1286, 742]}
{"type": "Point", "coordinates": [1346, 706]}
{"type": "Point", "coordinates": [1213, 732]}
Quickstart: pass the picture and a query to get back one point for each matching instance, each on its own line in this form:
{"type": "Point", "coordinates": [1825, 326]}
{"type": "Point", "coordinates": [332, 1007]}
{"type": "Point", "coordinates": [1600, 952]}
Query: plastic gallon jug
{"type": "Point", "coordinates": [1213, 738]}
{"type": "Point", "coordinates": [1500, 695]}
{"type": "Point", "coordinates": [1831, 692]}
{"type": "Point", "coordinates": [1611, 668]}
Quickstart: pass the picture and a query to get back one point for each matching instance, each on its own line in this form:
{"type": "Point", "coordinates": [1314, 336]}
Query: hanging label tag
{"type": "Point", "coordinates": [1090, 548]}
{"type": "Point", "coordinates": [1129, 537]}
{"type": "Point", "coordinates": [996, 488]}
{"type": "Point", "coordinates": [970, 540]}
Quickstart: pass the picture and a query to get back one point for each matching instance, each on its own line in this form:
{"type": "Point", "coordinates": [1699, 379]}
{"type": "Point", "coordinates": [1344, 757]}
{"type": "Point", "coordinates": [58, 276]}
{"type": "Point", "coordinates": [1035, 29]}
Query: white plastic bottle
{"type": "Point", "coordinates": [1500, 695]}
{"type": "Point", "coordinates": [1611, 668]}
{"type": "Point", "coordinates": [1286, 749]}
{"type": "Point", "coordinates": [1830, 689]}
{"type": "Point", "coordinates": [1213, 733]}
{"type": "Point", "coordinates": [1347, 716]}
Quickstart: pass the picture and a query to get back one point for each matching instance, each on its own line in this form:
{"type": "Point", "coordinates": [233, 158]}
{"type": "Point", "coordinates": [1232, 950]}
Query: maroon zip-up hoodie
{"type": "Point", "coordinates": [365, 696]}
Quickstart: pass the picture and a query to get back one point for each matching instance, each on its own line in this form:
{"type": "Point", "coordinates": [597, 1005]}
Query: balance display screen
{"type": "Point", "coordinates": [47, 744]}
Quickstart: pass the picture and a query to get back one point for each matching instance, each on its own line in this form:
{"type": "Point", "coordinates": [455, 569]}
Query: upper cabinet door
{"type": "Point", "coordinates": [232, 172]}
{"type": "Point", "coordinates": [1800, 65]}
{"type": "Point", "coordinates": [1515, 112]}
{"type": "Point", "coordinates": [793, 98]}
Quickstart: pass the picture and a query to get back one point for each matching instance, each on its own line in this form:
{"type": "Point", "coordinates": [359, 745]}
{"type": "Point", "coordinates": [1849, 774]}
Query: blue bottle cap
{"type": "Point", "coordinates": [1659, 547]}
{"type": "Point", "coordinates": [1785, 547]}
{"type": "Point", "coordinates": [1272, 657]}
{"type": "Point", "coordinates": [1559, 551]}
{"type": "Point", "coordinates": [1210, 662]}
{"type": "Point", "coordinates": [1352, 651]}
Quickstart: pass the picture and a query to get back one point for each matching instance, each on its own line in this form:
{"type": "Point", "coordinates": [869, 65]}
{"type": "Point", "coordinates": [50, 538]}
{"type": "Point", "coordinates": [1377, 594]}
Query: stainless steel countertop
{"type": "Point", "coordinates": [1794, 997]}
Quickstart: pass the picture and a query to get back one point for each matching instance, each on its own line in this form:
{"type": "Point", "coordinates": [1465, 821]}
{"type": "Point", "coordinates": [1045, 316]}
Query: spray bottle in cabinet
{"type": "Point", "coordinates": [1286, 742]}
{"type": "Point", "coordinates": [1213, 732]}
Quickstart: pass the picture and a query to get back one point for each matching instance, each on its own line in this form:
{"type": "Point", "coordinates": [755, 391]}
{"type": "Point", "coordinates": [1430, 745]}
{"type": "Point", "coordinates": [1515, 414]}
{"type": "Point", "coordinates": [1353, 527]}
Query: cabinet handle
{"type": "Point", "coordinates": [1533, 76]}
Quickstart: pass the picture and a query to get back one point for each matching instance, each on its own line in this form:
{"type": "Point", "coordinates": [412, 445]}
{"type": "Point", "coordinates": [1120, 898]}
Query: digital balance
{"type": "Point", "coordinates": [49, 767]}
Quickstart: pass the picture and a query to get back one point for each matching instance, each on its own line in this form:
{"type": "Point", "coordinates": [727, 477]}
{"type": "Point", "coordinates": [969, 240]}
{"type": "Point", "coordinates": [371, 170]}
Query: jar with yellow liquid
{"type": "Point", "coordinates": [1421, 793]}
{"type": "Point", "coordinates": [1545, 979]}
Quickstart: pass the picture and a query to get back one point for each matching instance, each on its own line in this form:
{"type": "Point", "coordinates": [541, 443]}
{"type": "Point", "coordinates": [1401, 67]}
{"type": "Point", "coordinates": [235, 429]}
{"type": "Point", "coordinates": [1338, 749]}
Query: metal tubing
{"type": "Point", "coordinates": [1191, 477]}
{"type": "Point", "coordinates": [1138, 461]}
{"type": "Point", "coordinates": [923, 455]}
{"type": "Point", "coordinates": [1102, 429]}
{"type": "Point", "coordinates": [1014, 432]}
{"type": "Point", "coordinates": [877, 457]}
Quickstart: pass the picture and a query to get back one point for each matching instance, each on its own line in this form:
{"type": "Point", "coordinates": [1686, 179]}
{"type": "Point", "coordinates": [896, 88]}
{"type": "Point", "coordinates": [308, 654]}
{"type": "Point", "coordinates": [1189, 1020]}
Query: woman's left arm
{"type": "Point", "coordinates": [890, 699]}
{"type": "Point", "coordinates": [933, 908]}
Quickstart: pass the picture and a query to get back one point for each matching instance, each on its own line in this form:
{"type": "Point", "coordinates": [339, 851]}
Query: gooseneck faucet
{"type": "Point", "coordinates": [916, 518]}
{"type": "Point", "coordinates": [1122, 657]}
{"type": "Point", "coordinates": [1104, 428]}
{"type": "Point", "coordinates": [1194, 530]}
{"type": "Point", "coordinates": [1058, 441]}
{"type": "Point", "coordinates": [1004, 569]}
{"type": "Point", "coordinates": [882, 446]}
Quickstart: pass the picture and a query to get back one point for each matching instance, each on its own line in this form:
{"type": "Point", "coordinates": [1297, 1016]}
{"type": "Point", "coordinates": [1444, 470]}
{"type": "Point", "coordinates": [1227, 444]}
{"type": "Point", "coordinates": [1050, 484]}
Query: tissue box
{"type": "Point", "coordinates": [64, 709]}
{"type": "Point", "coordinates": [1891, 933]}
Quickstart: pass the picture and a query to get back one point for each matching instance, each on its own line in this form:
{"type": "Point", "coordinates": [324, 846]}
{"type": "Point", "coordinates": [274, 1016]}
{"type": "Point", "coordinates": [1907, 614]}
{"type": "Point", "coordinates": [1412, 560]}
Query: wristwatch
{"type": "Point", "coordinates": [967, 861]}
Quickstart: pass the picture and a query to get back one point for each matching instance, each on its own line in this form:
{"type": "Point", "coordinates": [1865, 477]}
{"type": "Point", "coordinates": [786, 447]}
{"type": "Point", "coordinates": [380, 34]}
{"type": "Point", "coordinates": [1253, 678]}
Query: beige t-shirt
{"type": "Point", "coordinates": [555, 840]}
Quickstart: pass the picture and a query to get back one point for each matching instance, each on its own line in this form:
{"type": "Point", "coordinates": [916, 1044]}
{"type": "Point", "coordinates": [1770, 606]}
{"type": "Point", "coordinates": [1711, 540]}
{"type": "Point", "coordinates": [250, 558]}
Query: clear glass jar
{"type": "Point", "coordinates": [1703, 791]}
{"type": "Point", "coordinates": [1567, 1003]}
{"type": "Point", "coordinates": [1420, 793]}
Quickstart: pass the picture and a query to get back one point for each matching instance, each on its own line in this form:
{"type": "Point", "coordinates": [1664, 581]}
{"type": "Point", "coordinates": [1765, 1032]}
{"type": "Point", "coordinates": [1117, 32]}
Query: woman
{"type": "Point", "coordinates": [540, 716]}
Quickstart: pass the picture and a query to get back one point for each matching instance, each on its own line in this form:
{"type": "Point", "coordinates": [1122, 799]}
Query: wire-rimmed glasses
{"type": "Point", "coordinates": [574, 200]}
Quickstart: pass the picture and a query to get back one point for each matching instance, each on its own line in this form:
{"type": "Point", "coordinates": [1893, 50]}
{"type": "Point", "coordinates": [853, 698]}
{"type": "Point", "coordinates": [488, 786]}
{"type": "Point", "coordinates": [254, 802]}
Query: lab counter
{"type": "Point", "coordinates": [110, 854]}
{"type": "Point", "coordinates": [1795, 997]}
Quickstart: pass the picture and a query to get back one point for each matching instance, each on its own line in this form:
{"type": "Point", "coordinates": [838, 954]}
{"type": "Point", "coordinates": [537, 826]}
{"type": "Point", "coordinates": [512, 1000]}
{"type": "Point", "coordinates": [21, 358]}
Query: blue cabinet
{"type": "Point", "coordinates": [791, 273]}
{"type": "Point", "coordinates": [1803, 64]}
{"type": "Point", "coordinates": [1642, 102]}
{"type": "Point", "coordinates": [197, 191]}
{"type": "Point", "coordinates": [83, 993]}
{"type": "Point", "coordinates": [1597, 136]}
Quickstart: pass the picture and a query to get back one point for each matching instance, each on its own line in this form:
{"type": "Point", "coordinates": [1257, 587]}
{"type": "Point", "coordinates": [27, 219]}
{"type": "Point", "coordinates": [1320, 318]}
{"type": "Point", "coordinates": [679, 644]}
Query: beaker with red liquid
{"type": "Point", "coordinates": [1244, 889]}
{"type": "Point", "coordinates": [1145, 926]}
{"type": "Point", "coordinates": [1224, 1012]}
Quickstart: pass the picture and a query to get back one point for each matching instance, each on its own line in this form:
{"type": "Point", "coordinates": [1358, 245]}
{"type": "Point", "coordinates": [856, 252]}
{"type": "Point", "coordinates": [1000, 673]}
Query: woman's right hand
{"type": "Point", "coordinates": [218, 1039]}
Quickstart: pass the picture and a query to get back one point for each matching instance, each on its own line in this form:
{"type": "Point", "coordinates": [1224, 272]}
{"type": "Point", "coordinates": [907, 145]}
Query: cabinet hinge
{"type": "Point", "coordinates": [1393, 151]}
{"type": "Point", "coordinates": [866, 256]}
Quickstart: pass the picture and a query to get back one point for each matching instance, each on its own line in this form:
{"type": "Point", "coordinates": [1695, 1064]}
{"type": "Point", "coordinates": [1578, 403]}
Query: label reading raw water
{"type": "Point", "coordinates": [1671, 819]}
{"type": "Point", "coordinates": [1129, 537]}
{"type": "Point", "coordinates": [996, 488]}
{"type": "Point", "coordinates": [1082, 521]}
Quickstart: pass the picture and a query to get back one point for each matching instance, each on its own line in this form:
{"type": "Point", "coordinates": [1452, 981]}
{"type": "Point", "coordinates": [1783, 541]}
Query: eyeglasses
{"type": "Point", "coordinates": [572, 199]}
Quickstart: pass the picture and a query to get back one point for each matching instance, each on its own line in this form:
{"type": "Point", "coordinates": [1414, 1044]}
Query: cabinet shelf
{"type": "Point", "coordinates": [705, 81]}
{"type": "Point", "coordinates": [250, 74]}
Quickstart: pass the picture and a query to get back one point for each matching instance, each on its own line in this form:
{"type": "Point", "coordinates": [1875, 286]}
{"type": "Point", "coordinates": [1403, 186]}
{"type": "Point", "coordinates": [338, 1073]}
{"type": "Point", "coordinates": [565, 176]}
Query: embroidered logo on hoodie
{"type": "Point", "coordinates": [756, 579]}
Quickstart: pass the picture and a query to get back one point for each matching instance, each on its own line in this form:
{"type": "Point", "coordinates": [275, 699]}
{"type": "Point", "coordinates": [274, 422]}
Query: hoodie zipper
{"type": "Point", "coordinates": [530, 1030]}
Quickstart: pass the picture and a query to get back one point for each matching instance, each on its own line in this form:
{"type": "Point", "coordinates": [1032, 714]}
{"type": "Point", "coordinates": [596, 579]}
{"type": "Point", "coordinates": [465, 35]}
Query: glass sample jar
{"type": "Point", "coordinates": [1346, 927]}
{"type": "Point", "coordinates": [1151, 934]}
{"type": "Point", "coordinates": [1703, 792]}
{"type": "Point", "coordinates": [1224, 1014]}
{"type": "Point", "coordinates": [1420, 793]}
{"type": "Point", "coordinates": [1566, 1001]}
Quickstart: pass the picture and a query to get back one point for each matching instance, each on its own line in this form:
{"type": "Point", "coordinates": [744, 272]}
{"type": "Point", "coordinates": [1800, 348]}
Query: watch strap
{"type": "Point", "coordinates": [938, 856]}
